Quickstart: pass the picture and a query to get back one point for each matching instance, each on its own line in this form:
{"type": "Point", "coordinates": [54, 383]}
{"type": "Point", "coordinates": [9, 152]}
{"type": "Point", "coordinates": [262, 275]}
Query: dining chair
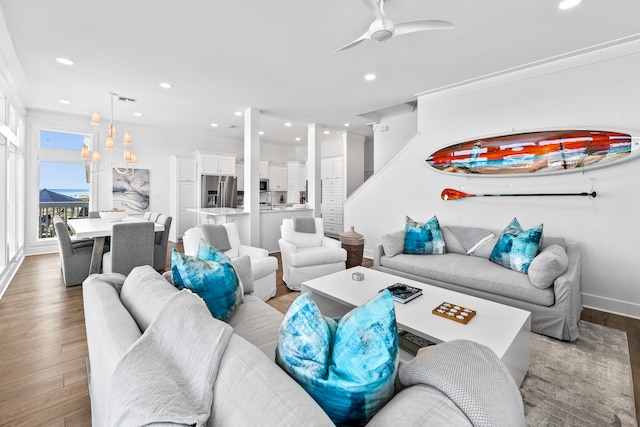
{"type": "Point", "coordinates": [75, 259]}
{"type": "Point", "coordinates": [160, 243]}
{"type": "Point", "coordinates": [132, 245]}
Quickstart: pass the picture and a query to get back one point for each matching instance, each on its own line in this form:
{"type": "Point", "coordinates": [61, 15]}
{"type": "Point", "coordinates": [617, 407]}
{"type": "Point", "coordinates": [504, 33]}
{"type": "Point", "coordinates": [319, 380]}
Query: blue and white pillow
{"type": "Point", "coordinates": [424, 238]}
{"type": "Point", "coordinates": [348, 367]}
{"type": "Point", "coordinates": [516, 247]}
{"type": "Point", "coordinates": [215, 282]}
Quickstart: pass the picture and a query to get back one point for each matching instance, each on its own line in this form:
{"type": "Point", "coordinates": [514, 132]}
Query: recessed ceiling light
{"type": "Point", "coordinates": [137, 114]}
{"type": "Point", "coordinates": [568, 4]}
{"type": "Point", "coordinates": [288, 124]}
{"type": "Point", "coordinates": [165, 85]}
{"type": "Point", "coordinates": [238, 113]}
{"type": "Point", "coordinates": [370, 77]}
{"type": "Point", "coordinates": [347, 125]}
{"type": "Point", "coordinates": [214, 125]}
{"type": "Point", "coordinates": [261, 133]}
{"type": "Point", "coordinates": [298, 139]}
{"type": "Point", "coordinates": [64, 61]}
{"type": "Point", "coordinates": [64, 101]}
{"type": "Point", "coordinates": [326, 132]}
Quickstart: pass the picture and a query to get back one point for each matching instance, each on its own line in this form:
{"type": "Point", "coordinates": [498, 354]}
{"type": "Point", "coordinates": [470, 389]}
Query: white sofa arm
{"type": "Point", "coordinates": [252, 252]}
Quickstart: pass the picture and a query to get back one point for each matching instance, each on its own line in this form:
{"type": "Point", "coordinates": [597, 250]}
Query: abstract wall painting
{"type": "Point", "coordinates": [131, 191]}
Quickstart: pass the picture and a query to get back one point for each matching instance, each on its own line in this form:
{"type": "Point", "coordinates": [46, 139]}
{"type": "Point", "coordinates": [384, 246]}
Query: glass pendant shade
{"type": "Point", "coordinates": [134, 159]}
{"type": "Point", "coordinates": [85, 153]}
{"type": "Point", "coordinates": [96, 156]}
{"type": "Point", "coordinates": [109, 145]}
{"type": "Point", "coordinates": [127, 155]}
{"type": "Point", "coordinates": [126, 139]}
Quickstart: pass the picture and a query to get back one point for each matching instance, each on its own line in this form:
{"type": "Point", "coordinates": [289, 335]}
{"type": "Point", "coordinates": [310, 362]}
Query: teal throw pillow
{"type": "Point", "coordinates": [348, 367]}
{"type": "Point", "coordinates": [215, 282]}
{"type": "Point", "coordinates": [516, 247]}
{"type": "Point", "coordinates": [424, 238]}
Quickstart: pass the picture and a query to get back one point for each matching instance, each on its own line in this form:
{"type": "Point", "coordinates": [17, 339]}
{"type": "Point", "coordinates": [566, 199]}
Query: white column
{"type": "Point", "coordinates": [252, 175]}
{"type": "Point", "coordinates": [313, 168]}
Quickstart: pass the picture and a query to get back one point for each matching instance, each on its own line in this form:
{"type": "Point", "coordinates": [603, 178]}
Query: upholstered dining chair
{"type": "Point", "coordinates": [75, 258]}
{"type": "Point", "coordinates": [160, 243]}
{"type": "Point", "coordinates": [308, 253]}
{"type": "Point", "coordinates": [132, 244]}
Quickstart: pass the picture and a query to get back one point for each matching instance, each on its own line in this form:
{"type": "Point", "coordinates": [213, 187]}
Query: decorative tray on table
{"type": "Point", "coordinates": [454, 312]}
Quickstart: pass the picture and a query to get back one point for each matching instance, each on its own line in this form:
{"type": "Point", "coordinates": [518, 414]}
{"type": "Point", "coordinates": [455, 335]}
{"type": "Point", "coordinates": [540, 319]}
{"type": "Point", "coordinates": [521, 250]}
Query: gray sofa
{"type": "Point", "coordinates": [555, 311]}
{"type": "Point", "coordinates": [250, 389]}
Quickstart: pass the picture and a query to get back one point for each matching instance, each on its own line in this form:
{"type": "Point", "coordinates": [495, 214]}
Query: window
{"type": "Point", "coordinates": [64, 187]}
{"type": "Point", "coordinates": [62, 140]}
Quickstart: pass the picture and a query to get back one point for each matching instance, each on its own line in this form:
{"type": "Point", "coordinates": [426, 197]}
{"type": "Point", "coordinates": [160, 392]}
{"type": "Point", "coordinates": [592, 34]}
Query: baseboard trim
{"type": "Point", "coordinates": [7, 275]}
{"type": "Point", "coordinates": [622, 308]}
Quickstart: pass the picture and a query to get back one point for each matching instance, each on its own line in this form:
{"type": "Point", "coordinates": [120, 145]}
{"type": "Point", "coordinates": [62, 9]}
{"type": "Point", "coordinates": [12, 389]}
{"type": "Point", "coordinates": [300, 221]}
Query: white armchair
{"type": "Point", "coordinates": [263, 266]}
{"type": "Point", "coordinates": [306, 256]}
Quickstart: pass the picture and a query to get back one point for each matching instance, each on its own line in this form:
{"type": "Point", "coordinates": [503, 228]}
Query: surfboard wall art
{"type": "Point", "coordinates": [545, 152]}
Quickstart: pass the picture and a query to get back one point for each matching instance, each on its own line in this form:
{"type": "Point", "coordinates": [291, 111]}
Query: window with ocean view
{"type": "Point", "coordinates": [64, 187]}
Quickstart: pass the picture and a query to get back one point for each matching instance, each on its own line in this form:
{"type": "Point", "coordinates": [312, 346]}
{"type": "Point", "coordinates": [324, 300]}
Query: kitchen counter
{"type": "Point", "coordinates": [277, 209]}
{"type": "Point", "coordinates": [218, 211]}
{"type": "Point", "coordinates": [270, 222]}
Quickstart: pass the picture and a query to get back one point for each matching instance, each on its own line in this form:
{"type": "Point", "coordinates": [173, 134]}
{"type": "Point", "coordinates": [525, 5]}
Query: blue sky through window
{"type": "Point", "coordinates": [61, 140]}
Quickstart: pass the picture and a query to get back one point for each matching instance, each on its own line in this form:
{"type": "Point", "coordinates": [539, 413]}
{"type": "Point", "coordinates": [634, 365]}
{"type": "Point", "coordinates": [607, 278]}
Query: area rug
{"type": "Point", "coordinates": [584, 383]}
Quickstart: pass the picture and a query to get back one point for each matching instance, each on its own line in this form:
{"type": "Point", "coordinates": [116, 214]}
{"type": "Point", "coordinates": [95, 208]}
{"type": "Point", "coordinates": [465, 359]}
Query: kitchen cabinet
{"type": "Point", "coordinates": [331, 168]}
{"type": "Point", "coordinates": [332, 198]}
{"type": "Point", "coordinates": [293, 169]}
{"type": "Point", "coordinates": [240, 175]}
{"type": "Point", "coordinates": [277, 178]}
{"type": "Point", "coordinates": [214, 164]}
{"type": "Point", "coordinates": [182, 195]}
{"type": "Point", "coordinates": [302, 178]}
{"type": "Point", "coordinates": [264, 169]}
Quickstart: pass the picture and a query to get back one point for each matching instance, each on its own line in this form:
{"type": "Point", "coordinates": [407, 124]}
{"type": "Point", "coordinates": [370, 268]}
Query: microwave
{"type": "Point", "coordinates": [264, 185]}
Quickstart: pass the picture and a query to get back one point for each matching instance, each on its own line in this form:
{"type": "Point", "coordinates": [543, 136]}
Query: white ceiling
{"type": "Point", "coordinates": [276, 56]}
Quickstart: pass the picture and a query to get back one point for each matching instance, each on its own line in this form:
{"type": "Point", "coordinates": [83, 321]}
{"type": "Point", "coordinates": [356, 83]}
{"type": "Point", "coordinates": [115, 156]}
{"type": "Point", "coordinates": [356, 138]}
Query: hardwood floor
{"type": "Point", "coordinates": [43, 347]}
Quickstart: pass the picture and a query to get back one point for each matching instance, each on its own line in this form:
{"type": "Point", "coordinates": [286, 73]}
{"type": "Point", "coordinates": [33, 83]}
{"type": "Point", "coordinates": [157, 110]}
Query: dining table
{"type": "Point", "coordinates": [98, 229]}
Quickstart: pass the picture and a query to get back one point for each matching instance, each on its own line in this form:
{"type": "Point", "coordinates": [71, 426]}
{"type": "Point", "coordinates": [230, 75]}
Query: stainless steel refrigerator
{"type": "Point", "coordinates": [219, 191]}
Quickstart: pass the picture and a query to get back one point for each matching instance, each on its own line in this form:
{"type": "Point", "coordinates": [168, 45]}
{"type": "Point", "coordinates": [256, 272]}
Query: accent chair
{"type": "Point", "coordinates": [306, 256]}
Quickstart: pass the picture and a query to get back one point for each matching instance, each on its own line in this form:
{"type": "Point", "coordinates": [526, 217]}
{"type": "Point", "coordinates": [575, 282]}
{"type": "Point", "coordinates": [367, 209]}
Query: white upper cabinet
{"type": "Point", "coordinates": [214, 164]}
{"type": "Point", "coordinates": [264, 169]}
{"type": "Point", "coordinates": [293, 169]}
{"type": "Point", "coordinates": [277, 178]}
{"type": "Point", "coordinates": [331, 167]}
{"type": "Point", "coordinates": [186, 169]}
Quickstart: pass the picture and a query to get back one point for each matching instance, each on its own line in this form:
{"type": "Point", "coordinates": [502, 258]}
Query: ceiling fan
{"type": "Point", "coordinates": [383, 29]}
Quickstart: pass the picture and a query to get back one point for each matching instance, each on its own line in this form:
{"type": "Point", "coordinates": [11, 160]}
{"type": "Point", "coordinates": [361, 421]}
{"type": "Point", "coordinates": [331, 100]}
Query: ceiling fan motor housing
{"type": "Point", "coordinates": [381, 29]}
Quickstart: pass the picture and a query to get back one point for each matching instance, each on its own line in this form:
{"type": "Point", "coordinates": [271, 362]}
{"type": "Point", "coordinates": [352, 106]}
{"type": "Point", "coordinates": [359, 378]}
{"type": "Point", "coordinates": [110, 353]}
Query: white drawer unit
{"type": "Point", "coordinates": [332, 198]}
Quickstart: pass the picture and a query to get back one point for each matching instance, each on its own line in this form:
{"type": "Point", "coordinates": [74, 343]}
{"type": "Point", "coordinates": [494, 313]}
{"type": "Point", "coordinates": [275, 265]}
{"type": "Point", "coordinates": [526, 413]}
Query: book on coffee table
{"type": "Point", "coordinates": [403, 293]}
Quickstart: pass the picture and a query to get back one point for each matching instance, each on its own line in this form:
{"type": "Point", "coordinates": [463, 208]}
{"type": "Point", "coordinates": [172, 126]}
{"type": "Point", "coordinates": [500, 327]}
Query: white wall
{"type": "Point", "coordinates": [391, 133]}
{"type": "Point", "coordinates": [596, 90]}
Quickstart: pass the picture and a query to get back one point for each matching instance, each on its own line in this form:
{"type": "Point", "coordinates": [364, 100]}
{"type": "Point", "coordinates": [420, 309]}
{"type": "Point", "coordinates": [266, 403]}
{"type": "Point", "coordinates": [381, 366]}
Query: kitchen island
{"type": "Point", "coordinates": [271, 220]}
{"type": "Point", "coordinates": [222, 216]}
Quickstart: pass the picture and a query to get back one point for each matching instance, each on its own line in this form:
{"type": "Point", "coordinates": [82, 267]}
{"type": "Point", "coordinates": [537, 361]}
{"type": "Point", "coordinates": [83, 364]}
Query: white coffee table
{"type": "Point", "coordinates": [504, 329]}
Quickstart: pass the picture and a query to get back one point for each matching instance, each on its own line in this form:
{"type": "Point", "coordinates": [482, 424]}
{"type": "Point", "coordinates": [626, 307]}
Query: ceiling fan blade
{"type": "Point", "coordinates": [362, 38]}
{"type": "Point", "coordinates": [422, 25]}
{"type": "Point", "coordinates": [374, 7]}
